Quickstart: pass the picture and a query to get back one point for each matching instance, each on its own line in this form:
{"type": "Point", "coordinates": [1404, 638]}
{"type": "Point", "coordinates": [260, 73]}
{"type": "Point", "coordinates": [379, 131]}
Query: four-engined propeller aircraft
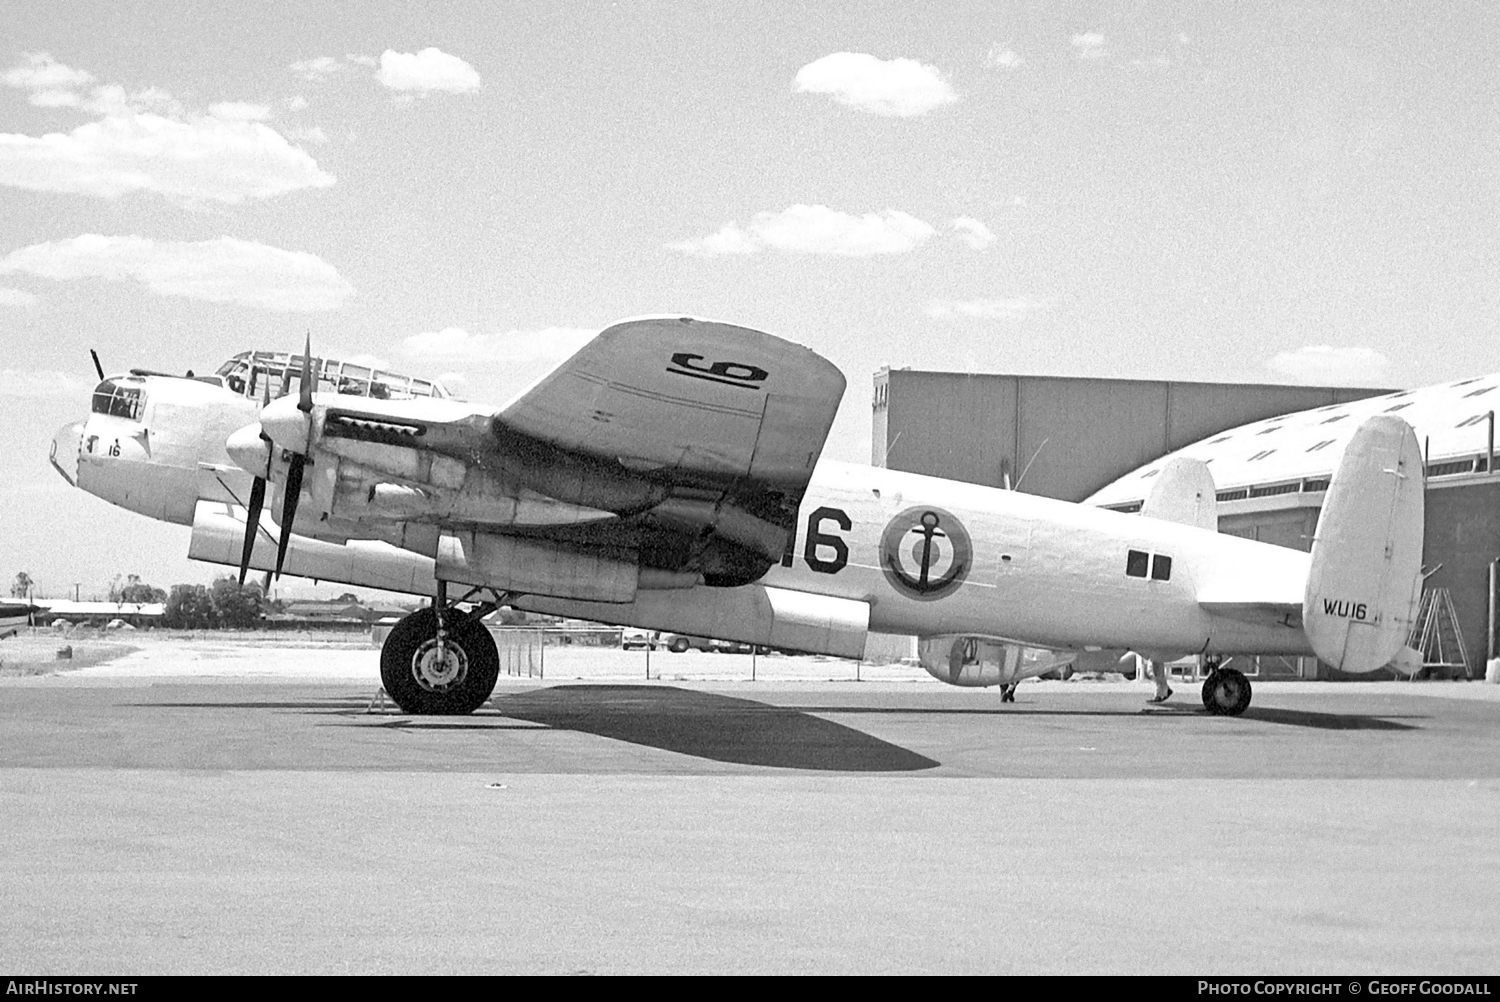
{"type": "Point", "coordinates": [667, 476]}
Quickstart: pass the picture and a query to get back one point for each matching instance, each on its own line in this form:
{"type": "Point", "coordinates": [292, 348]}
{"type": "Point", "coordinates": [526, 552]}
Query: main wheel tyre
{"type": "Point", "coordinates": [678, 645]}
{"type": "Point", "coordinates": [420, 681]}
{"type": "Point", "coordinates": [1226, 692]}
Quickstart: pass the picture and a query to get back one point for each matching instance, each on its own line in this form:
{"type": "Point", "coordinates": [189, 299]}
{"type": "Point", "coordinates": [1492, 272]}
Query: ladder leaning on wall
{"type": "Point", "coordinates": [1436, 635]}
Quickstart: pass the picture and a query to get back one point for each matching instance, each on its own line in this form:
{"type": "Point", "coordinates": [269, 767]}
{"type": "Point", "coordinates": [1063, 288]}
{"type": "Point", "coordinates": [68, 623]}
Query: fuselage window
{"type": "Point", "coordinates": [1135, 563]}
{"type": "Point", "coordinates": [1161, 567]}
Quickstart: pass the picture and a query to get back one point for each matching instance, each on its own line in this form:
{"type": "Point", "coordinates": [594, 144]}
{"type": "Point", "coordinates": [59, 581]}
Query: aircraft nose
{"type": "Point", "coordinates": [248, 450]}
{"type": "Point", "coordinates": [64, 453]}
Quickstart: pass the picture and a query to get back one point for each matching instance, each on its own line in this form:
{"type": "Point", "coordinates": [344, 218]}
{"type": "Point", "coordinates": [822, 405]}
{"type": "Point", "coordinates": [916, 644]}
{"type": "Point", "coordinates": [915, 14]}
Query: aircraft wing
{"type": "Point", "coordinates": [675, 445]}
{"type": "Point", "coordinates": [688, 396]}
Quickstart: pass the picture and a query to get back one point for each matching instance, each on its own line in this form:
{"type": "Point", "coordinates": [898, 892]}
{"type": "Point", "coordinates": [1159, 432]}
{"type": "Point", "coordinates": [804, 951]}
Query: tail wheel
{"type": "Point", "coordinates": [1226, 692]}
{"type": "Point", "coordinates": [420, 677]}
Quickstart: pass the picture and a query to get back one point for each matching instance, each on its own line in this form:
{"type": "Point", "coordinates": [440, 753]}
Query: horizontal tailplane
{"type": "Point", "coordinates": [1365, 581]}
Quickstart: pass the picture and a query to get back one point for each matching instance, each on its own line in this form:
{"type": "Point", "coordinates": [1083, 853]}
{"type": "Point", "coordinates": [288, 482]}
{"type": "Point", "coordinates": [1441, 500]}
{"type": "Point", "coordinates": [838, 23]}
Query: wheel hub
{"type": "Point", "coordinates": [438, 672]}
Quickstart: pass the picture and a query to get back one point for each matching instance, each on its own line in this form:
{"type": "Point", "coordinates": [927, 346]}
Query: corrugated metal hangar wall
{"type": "Point", "coordinates": [1069, 437]}
{"type": "Point", "coordinates": [1066, 438]}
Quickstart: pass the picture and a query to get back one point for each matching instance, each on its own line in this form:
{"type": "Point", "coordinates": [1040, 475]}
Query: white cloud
{"type": "Point", "coordinates": [815, 229]}
{"type": "Point", "coordinates": [224, 270]}
{"type": "Point", "coordinates": [16, 297]}
{"type": "Point", "coordinates": [898, 87]}
{"type": "Point", "coordinates": [550, 344]}
{"type": "Point", "coordinates": [206, 158]}
{"type": "Point", "coordinates": [239, 111]}
{"type": "Point", "coordinates": [1089, 45]}
{"type": "Point", "coordinates": [974, 233]}
{"type": "Point", "coordinates": [114, 100]}
{"type": "Point", "coordinates": [1003, 58]}
{"type": "Point", "coordinates": [988, 309]}
{"type": "Point", "coordinates": [146, 140]}
{"type": "Point", "coordinates": [36, 384]}
{"type": "Point", "coordinates": [52, 84]}
{"type": "Point", "coordinates": [426, 71]}
{"type": "Point", "coordinates": [296, 102]}
{"type": "Point", "coordinates": [318, 69]}
{"type": "Point", "coordinates": [311, 134]}
{"type": "Point", "coordinates": [1325, 365]}
{"type": "Point", "coordinates": [358, 60]}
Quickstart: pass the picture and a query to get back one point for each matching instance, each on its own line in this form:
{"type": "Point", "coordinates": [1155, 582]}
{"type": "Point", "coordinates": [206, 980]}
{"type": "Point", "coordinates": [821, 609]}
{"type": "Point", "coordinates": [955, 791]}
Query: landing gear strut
{"type": "Point", "coordinates": [1226, 691]}
{"type": "Point", "coordinates": [1008, 692]}
{"type": "Point", "coordinates": [439, 660]}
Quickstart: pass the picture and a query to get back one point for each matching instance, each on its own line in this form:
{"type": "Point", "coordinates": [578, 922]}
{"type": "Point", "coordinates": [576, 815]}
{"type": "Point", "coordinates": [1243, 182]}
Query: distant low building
{"type": "Point", "coordinates": [99, 613]}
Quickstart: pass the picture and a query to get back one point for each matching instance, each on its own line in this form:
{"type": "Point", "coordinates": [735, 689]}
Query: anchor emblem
{"type": "Point", "coordinates": [925, 553]}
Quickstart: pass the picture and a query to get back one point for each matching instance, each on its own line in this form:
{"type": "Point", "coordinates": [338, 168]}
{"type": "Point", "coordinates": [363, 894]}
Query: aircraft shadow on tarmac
{"type": "Point", "coordinates": [702, 724]}
{"type": "Point", "coordinates": [711, 726]}
{"type": "Point", "coordinates": [1294, 718]}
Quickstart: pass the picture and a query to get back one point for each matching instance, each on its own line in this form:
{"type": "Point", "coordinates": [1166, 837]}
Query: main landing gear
{"type": "Point", "coordinates": [1226, 691]}
{"type": "Point", "coordinates": [1008, 692]}
{"type": "Point", "coordinates": [440, 660]}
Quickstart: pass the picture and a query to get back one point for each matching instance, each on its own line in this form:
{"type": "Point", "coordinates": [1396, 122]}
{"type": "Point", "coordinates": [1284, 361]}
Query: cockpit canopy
{"type": "Point", "coordinates": [250, 372]}
{"type": "Point", "coordinates": [119, 396]}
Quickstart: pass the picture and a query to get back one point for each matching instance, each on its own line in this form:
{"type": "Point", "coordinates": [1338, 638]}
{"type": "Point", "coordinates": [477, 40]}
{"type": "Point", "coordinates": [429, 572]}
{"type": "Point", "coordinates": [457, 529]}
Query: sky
{"type": "Point", "coordinates": [1273, 192]}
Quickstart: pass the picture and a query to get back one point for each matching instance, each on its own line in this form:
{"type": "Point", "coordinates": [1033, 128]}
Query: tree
{"type": "Point", "coordinates": [235, 605]}
{"type": "Point", "coordinates": [21, 587]}
{"type": "Point", "coordinates": [134, 590]}
{"type": "Point", "coordinates": [189, 607]}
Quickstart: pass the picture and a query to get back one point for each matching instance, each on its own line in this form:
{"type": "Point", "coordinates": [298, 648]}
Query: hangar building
{"type": "Point", "coordinates": [1271, 450]}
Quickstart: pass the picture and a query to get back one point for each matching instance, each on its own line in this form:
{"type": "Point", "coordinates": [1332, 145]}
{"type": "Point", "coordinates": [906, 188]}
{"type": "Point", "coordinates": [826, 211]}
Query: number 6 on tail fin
{"type": "Point", "coordinates": [1364, 585]}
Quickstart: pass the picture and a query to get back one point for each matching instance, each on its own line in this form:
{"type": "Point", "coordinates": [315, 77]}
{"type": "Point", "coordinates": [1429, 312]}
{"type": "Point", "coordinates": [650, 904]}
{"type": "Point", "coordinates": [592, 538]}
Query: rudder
{"type": "Point", "coordinates": [1366, 575]}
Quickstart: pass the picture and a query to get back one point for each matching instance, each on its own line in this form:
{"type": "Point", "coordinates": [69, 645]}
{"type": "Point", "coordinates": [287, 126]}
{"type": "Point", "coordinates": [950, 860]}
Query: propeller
{"type": "Point", "coordinates": [284, 424]}
{"type": "Point", "coordinates": [293, 489]}
{"type": "Point", "coordinates": [257, 497]}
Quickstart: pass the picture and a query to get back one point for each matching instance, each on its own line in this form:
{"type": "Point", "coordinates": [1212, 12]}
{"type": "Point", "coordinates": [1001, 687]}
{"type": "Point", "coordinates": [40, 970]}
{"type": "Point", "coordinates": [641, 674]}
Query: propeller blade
{"type": "Point", "coordinates": [289, 507]}
{"type": "Point", "coordinates": [252, 524]}
{"type": "Point", "coordinates": [97, 367]}
{"type": "Point", "coordinates": [304, 399]}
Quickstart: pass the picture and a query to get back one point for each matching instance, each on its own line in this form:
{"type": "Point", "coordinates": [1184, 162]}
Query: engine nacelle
{"type": "Point", "coordinates": [980, 661]}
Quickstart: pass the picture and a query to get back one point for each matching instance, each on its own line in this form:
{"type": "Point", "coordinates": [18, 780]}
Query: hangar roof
{"type": "Point", "coordinates": [1297, 452]}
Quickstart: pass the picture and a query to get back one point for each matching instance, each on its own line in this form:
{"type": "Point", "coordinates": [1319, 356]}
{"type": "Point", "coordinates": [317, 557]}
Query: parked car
{"type": "Point", "coordinates": [636, 639]}
{"type": "Point", "coordinates": [679, 642]}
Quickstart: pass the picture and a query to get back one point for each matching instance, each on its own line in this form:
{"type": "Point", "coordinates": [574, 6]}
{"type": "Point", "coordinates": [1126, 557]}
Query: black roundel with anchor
{"type": "Point", "coordinates": [925, 553]}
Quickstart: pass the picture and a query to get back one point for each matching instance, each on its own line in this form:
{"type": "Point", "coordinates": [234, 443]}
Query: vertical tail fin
{"type": "Point", "coordinates": [1366, 574]}
{"type": "Point", "coordinates": [1184, 493]}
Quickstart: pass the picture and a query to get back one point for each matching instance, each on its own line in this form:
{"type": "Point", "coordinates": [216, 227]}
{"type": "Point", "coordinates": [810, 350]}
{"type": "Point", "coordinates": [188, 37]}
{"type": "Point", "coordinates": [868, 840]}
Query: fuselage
{"type": "Point", "coordinates": [928, 556]}
{"type": "Point", "coordinates": [1029, 568]}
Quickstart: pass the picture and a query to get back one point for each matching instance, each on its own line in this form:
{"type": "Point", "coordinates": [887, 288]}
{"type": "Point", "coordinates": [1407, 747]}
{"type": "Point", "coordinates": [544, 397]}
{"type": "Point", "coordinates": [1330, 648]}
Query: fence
{"type": "Point", "coordinates": [522, 650]}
